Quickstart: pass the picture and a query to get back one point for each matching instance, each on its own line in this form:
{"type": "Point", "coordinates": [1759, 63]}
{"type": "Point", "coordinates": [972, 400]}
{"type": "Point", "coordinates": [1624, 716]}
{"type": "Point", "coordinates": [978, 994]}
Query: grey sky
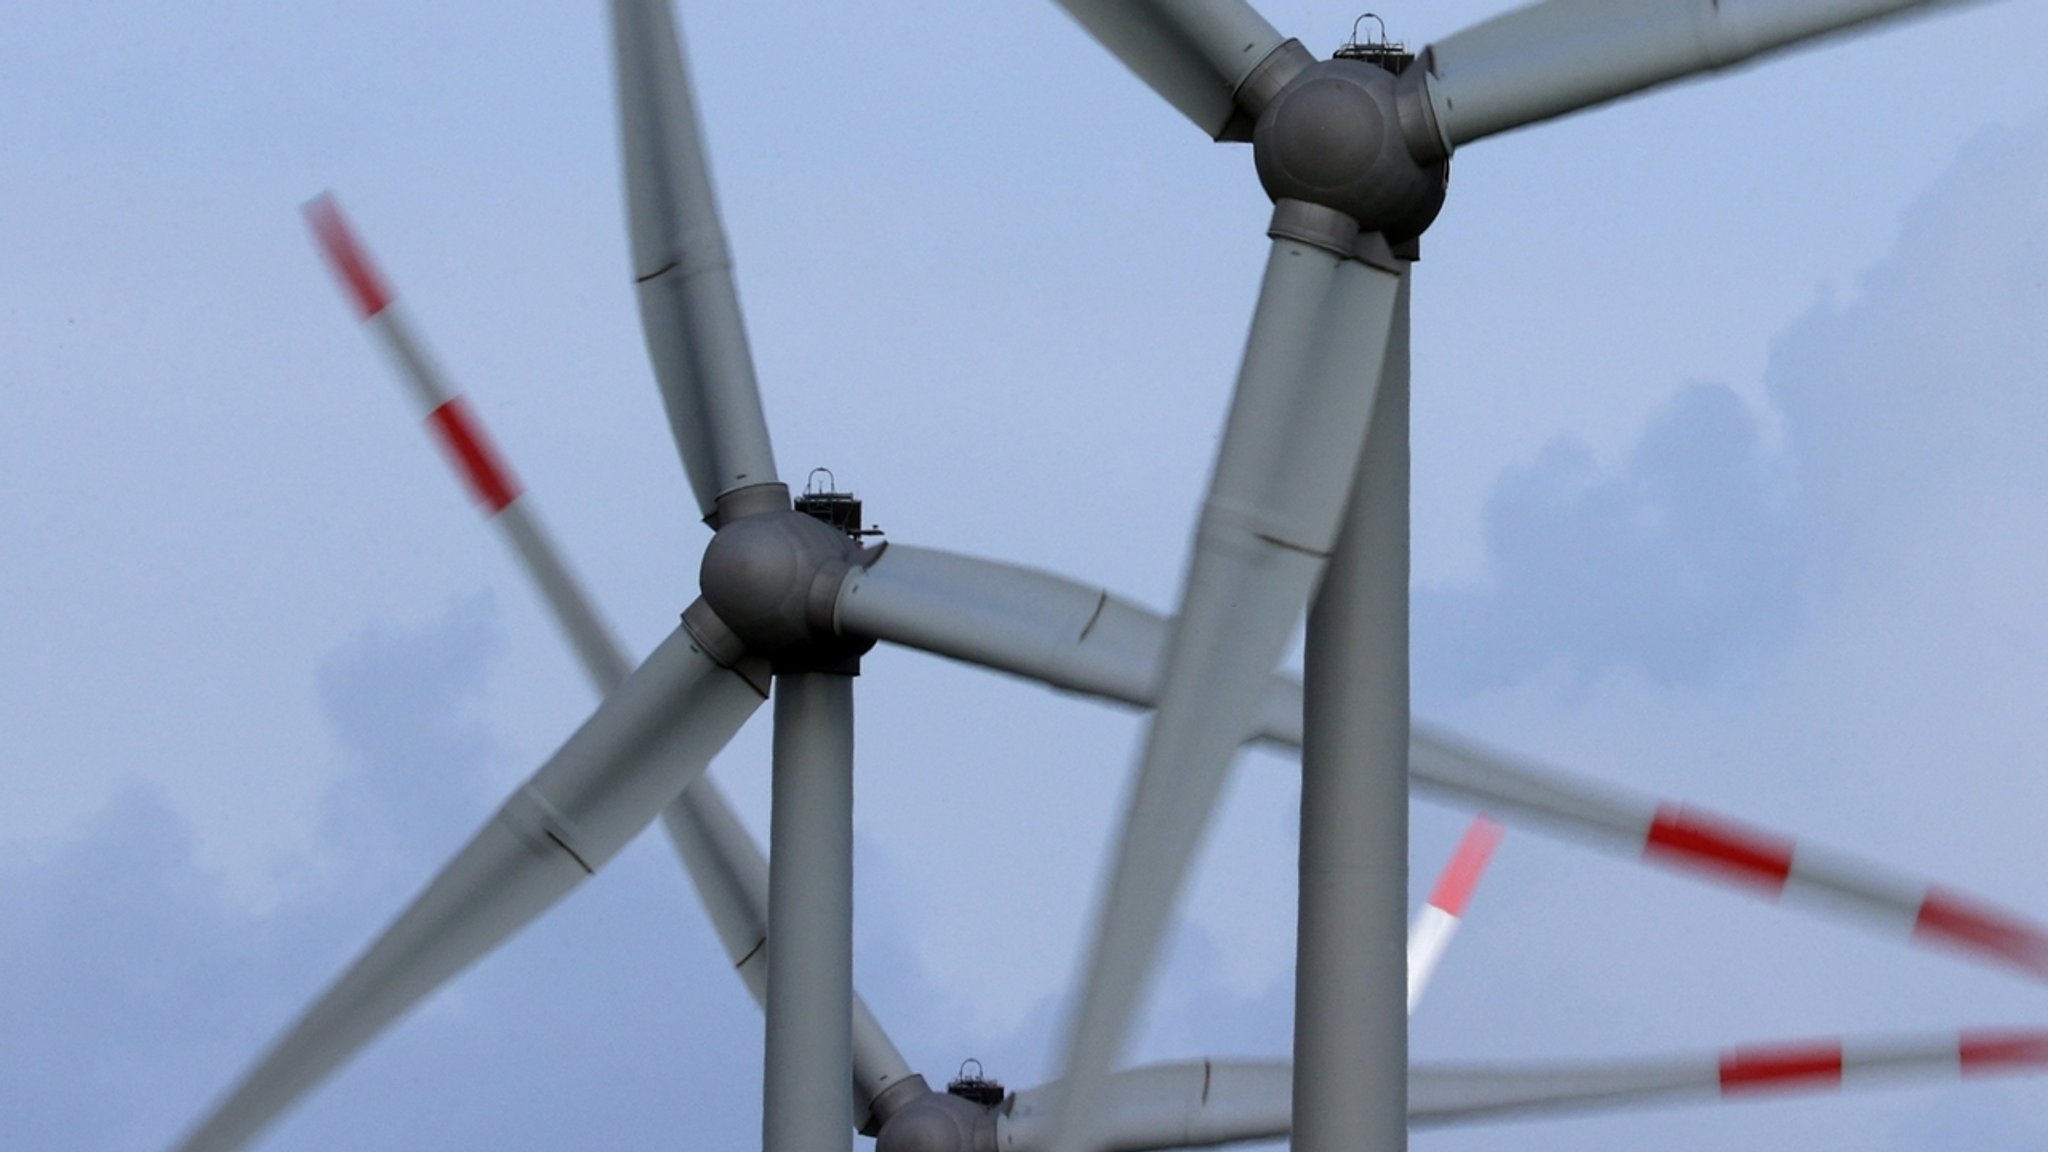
{"type": "Point", "coordinates": [264, 667]}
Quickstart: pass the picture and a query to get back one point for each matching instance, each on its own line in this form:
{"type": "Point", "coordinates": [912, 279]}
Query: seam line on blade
{"type": "Point", "coordinates": [1101, 604]}
{"type": "Point", "coordinates": [664, 270]}
{"type": "Point", "coordinates": [573, 854]}
{"type": "Point", "coordinates": [1291, 546]}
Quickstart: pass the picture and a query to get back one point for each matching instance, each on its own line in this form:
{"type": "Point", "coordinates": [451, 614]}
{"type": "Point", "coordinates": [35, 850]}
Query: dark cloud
{"type": "Point", "coordinates": [1685, 557]}
{"type": "Point", "coordinates": [1910, 404]}
{"type": "Point", "coordinates": [403, 704]}
{"type": "Point", "coordinates": [1902, 401]}
{"type": "Point", "coordinates": [103, 1032]}
{"type": "Point", "coordinates": [132, 990]}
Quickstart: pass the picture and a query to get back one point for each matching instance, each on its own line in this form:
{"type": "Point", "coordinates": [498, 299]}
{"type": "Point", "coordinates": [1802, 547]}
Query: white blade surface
{"type": "Point", "coordinates": [1029, 623]}
{"type": "Point", "coordinates": [1194, 53]}
{"type": "Point", "coordinates": [1184, 1104]}
{"type": "Point", "coordinates": [1556, 57]}
{"type": "Point", "coordinates": [1296, 430]}
{"type": "Point", "coordinates": [689, 306]}
{"type": "Point", "coordinates": [728, 868]}
{"type": "Point", "coordinates": [1081, 638]}
{"type": "Point", "coordinates": [1205, 1103]}
{"type": "Point", "coordinates": [648, 741]}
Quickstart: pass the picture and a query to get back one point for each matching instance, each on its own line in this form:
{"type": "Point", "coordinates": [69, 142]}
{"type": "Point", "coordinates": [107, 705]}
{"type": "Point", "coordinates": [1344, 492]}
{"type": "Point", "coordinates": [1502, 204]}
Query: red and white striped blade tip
{"type": "Point", "coordinates": [1452, 1093]}
{"type": "Point", "coordinates": [1822, 1064]}
{"type": "Point", "coordinates": [462, 438]}
{"type": "Point", "coordinates": [1454, 888]}
{"type": "Point", "coordinates": [1686, 838]}
{"type": "Point", "coordinates": [349, 260]}
{"type": "Point", "coordinates": [453, 424]}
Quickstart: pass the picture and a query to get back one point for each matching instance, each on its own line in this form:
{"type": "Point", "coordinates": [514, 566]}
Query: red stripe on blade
{"type": "Point", "coordinates": [1462, 874]}
{"type": "Point", "coordinates": [1788, 1066]}
{"type": "Point", "coordinates": [1688, 839]}
{"type": "Point", "coordinates": [1962, 923]}
{"type": "Point", "coordinates": [464, 441]}
{"type": "Point", "coordinates": [347, 257]}
{"type": "Point", "coordinates": [1996, 1051]}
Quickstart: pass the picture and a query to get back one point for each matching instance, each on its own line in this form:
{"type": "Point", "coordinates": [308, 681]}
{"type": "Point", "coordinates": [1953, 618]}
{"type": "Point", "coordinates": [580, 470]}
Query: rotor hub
{"type": "Point", "coordinates": [1333, 137]}
{"type": "Point", "coordinates": [939, 1122]}
{"type": "Point", "coordinates": [774, 579]}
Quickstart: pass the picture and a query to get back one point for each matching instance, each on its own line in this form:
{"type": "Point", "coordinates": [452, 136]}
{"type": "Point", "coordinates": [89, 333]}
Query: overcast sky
{"type": "Point", "coordinates": [1728, 406]}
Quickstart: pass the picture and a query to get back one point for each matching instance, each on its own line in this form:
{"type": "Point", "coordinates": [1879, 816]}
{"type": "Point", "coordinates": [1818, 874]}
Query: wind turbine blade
{"type": "Point", "coordinates": [689, 306]}
{"type": "Point", "coordinates": [1452, 1094]}
{"type": "Point", "coordinates": [1081, 638]}
{"type": "Point", "coordinates": [1296, 430]}
{"type": "Point", "coordinates": [1183, 1104]}
{"type": "Point", "coordinates": [1206, 1103]}
{"type": "Point", "coordinates": [727, 867]}
{"type": "Point", "coordinates": [1556, 57]}
{"type": "Point", "coordinates": [646, 743]}
{"type": "Point", "coordinates": [1431, 933]}
{"type": "Point", "coordinates": [1706, 846]}
{"type": "Point", "coordinates": [1029, 623]}
{"type": "Point", "coordinates": [1195, 53]}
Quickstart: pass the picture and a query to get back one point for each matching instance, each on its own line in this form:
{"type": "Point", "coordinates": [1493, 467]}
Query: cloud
{"type": "Point", "coordinates": [1910, 418]}
{"type": "Point", "coordinates": [133, 990]}
{"type": "Point", "coordinates": [1918, 402]}
{"type": "Point", "coordinates": [133, 984]}
{"type": "Point", "coordinates": [1685, 557]}
{"type": "Point", "coordinates": [403, 704]}
{"type": "Point", "coordinates": [94, 1013]}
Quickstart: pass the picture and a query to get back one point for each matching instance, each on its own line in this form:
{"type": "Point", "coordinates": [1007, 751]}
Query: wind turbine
{"type": "Point", "coordinates": [793, 597]}
{"type": "Point", "coordinates": [1308, 502]}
